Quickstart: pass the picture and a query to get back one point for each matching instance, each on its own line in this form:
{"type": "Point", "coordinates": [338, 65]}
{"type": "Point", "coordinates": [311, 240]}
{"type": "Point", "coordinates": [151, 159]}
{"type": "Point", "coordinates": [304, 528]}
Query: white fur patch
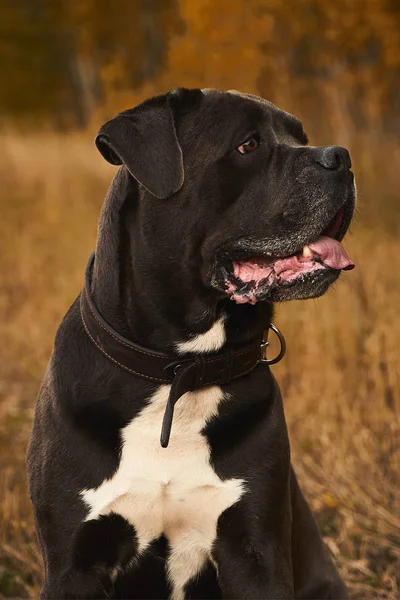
{"type": "Point", "coordinates": [210, 341]}
{"type": "Point", "coordinates": [172, 491]}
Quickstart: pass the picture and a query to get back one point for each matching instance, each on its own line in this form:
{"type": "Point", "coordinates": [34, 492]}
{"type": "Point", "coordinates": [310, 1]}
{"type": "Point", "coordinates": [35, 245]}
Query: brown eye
{"type": "Point", "coordinates": [249, 145]}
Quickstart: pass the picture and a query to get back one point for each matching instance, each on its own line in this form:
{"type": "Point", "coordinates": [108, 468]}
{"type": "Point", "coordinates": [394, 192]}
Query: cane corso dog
{"type": "Point", "coordinates": [219, 209]}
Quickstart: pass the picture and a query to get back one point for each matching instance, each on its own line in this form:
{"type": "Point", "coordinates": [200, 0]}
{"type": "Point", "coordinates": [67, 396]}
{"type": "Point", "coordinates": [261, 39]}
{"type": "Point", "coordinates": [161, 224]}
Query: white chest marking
{"type": "Point", "coordinates": [172, 491]}
{"type": "Point", "coordinates": [210, 341]}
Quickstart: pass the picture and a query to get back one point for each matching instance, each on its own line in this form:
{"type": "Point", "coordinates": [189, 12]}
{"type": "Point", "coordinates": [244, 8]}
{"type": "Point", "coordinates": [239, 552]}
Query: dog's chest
{"type": "Point", "coordinates": [172, 491]}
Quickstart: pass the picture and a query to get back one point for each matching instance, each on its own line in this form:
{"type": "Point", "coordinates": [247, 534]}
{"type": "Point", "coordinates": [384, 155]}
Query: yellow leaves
{"type": "Point", "coordinates": [330, 501]}
{"type": "Point", "coordinates": [261, 45]}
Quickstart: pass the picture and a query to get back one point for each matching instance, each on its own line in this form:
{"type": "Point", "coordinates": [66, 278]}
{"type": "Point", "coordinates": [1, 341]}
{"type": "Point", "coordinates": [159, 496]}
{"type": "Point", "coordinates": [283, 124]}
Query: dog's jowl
{"type": "Point", "coordinates": [159, 463]}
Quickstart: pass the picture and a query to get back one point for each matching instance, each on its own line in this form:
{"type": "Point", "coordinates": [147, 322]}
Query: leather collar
{"type": "Point", "coordinates": [184, 373]}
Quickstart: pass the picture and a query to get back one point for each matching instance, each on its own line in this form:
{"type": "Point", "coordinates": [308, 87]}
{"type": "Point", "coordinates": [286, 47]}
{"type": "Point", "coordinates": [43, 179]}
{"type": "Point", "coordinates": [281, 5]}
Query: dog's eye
{"type": "Point", "coordinates": [249, 145]}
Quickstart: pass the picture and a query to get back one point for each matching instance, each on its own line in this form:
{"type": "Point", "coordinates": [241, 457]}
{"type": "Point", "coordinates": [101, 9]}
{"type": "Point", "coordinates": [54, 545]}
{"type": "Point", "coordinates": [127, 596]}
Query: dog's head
{"type": "Point", "coordinates": [243, 206]}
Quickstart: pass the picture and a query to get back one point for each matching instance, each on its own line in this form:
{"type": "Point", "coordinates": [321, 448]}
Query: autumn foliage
{"type": "Point", "coordinates": [62, 61]}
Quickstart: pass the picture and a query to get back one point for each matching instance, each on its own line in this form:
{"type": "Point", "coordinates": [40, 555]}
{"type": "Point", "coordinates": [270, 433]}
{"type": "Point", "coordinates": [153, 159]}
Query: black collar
{"type": "Point", "coordinates": [184, 373]}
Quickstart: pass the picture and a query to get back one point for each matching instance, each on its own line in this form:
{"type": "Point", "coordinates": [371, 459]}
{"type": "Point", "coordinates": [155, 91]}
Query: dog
{"type": "Point", "coordinates": [219, 209]}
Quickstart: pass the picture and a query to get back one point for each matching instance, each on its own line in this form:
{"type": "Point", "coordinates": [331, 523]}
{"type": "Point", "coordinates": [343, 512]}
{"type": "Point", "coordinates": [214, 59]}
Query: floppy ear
{"type": "Point", "coordinates": [144, 140]}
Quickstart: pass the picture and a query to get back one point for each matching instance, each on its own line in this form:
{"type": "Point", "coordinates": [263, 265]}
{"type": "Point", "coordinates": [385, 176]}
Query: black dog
{"type": "Point", "coordinates": [219, 209]}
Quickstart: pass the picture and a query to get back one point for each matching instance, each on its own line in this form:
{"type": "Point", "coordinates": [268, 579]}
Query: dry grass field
{"type": "Point", "coordinates": [340, 378]}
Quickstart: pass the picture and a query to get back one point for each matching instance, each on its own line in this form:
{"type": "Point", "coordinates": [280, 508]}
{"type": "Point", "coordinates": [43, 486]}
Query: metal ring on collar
{"type": "Point", "coordinates": [265, 344]}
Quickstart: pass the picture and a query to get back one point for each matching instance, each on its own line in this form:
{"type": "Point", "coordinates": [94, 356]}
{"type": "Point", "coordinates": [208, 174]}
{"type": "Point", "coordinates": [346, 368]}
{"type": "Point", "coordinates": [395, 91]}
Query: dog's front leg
{"type": "Point", "coordinates": [101, 548]}
{"type": "Point", "coordinates": [253, 553]}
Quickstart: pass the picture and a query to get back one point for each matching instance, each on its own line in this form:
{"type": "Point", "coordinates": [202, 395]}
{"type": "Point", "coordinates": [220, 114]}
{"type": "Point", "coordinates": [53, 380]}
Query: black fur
{"type": "Point", "coordinates": [183, 203]}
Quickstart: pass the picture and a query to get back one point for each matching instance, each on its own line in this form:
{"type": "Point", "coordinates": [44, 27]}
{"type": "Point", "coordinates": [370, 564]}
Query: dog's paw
{"type": "Point", "coordinates": [107, 542]}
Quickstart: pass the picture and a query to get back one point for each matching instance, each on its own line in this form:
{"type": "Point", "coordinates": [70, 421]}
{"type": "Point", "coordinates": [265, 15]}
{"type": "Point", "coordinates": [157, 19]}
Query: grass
{"type": "Point", "coordinates": [339, 379]}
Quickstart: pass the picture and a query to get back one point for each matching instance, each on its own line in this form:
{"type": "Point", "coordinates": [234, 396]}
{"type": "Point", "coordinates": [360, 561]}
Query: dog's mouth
{"type": "Point", "coordinates": [258, 277]}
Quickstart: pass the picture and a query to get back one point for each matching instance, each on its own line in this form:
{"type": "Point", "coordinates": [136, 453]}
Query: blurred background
{"type": "Point", "coordinates": [67, 66]}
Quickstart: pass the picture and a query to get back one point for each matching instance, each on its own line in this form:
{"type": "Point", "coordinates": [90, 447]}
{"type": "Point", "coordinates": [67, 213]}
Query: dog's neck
{"type": "Point", "coordinates": [168, 312]}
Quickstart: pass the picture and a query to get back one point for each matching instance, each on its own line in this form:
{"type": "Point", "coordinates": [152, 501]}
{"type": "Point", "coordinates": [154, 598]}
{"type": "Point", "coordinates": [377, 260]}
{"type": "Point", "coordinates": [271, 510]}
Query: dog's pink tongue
{"type": "Point", "coordinates": [332, 253]}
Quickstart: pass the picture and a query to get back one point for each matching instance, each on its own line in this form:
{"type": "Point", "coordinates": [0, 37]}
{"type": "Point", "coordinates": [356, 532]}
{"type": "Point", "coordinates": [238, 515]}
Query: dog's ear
{"type": "Point", "coordinates": [145, 141]}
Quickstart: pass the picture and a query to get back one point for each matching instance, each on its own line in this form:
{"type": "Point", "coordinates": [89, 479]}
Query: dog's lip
{"type": "Point", "coordinates": [335, 224]}
{"type": "Point", "coordinates": [334, 230]}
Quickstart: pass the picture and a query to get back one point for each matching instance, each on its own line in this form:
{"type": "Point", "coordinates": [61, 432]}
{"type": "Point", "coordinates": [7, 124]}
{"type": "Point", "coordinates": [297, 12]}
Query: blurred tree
{"type": "Point", "coordinates": [345, 54]}
{"type": "Point", "coordinates": [58, 57]}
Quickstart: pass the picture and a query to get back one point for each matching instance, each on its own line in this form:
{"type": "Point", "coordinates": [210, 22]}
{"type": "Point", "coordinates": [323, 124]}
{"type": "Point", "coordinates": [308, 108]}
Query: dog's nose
{"type": "Point", "coordinates": [333, 157]}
